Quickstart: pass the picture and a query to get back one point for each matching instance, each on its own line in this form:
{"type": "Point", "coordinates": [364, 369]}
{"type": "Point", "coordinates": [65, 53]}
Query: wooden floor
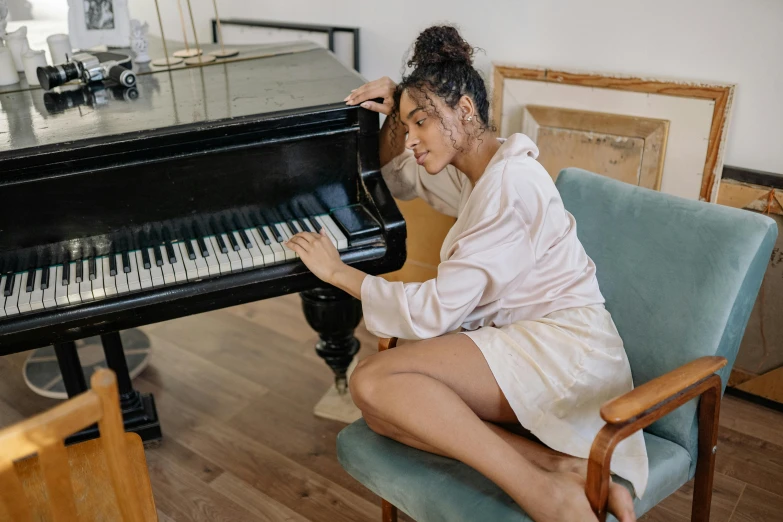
{"type": "Point", "coordinates": [235, 391]}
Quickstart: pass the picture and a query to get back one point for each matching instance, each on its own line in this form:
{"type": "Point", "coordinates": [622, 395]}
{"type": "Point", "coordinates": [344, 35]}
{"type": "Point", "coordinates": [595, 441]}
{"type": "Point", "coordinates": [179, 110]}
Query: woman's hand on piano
{"type": "Point", "coordinates": [319, 255]}
{"type": "Point", "coordinates": [317, 252]}
{"type": "Point", "coordinates": [380, 88]}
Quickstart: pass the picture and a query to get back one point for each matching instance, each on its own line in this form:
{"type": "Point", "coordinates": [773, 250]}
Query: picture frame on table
{"type": "Point", "coordinates": [98, 22]}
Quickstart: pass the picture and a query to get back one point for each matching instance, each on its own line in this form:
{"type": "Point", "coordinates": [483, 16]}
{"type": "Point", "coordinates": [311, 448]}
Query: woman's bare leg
{"type": "Point", "coordinates": [454, 392]}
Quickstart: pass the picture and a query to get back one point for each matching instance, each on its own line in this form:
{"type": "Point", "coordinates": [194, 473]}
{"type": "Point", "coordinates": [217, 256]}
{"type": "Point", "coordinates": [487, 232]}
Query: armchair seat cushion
{"type": "Point", "coordinates": [431, 488]}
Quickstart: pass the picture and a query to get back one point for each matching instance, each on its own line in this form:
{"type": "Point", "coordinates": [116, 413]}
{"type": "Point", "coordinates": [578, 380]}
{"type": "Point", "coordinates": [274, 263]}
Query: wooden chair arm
{"type": "Point", "coordinates": [646, 404]}
{"type": "Point", "coordinates": [655, 392]}
{"type": "Point", "coordinates": [386, 343]}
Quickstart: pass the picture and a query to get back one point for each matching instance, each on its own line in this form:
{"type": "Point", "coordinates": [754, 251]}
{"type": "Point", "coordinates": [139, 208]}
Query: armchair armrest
{"type": "Point", "coordinates": [386, 343]}
{"type": "Point", "coordinates": [644, 405]}
{"type": "Point", "coordinates": [655, 392]}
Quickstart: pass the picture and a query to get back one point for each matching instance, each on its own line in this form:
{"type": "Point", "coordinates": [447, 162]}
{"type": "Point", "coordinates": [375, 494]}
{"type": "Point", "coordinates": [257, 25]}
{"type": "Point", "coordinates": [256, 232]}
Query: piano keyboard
{"type": "Point", "coordinates": [169, 263]}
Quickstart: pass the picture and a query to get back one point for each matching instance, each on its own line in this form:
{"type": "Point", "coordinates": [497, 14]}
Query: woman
{"type": "Point", "coordinates": [537, 348]}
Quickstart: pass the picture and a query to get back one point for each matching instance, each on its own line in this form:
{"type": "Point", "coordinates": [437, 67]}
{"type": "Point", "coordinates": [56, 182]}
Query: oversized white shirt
{"type": "Point", "coordinates": [512, 254]}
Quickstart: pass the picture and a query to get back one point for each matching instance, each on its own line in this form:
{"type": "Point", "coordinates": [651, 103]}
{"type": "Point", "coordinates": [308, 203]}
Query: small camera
{"type": "Point", "coordinates": [89, 68]}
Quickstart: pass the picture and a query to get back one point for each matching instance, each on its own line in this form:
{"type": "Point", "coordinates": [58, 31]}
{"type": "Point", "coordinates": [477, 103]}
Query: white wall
{"type": "Point", "coordinates": [712, 40]}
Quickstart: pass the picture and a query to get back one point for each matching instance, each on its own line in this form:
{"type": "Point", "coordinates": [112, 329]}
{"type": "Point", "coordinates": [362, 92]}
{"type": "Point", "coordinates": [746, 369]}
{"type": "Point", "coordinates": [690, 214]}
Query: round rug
{"type": "Point", "coordinates": [42, 373]}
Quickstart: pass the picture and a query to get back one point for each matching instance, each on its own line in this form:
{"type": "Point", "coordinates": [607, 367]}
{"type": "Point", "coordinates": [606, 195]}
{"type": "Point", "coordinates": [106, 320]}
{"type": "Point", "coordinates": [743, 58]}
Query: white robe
{"type": "Point", "coordinates": [515, 276]}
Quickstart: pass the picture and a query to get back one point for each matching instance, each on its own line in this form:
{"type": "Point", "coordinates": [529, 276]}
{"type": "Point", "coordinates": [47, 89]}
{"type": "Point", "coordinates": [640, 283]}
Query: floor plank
{"type": "Point", "coordinates": [757, 505]}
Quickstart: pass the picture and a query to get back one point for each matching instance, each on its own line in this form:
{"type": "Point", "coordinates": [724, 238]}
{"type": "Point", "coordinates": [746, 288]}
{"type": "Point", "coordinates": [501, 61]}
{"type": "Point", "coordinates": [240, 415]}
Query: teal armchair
{"type": "Point", "coordinates": [680, 278]}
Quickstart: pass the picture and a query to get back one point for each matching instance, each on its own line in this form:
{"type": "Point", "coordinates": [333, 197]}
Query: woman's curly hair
{"type": "Point", "coordinates": [443, 65]}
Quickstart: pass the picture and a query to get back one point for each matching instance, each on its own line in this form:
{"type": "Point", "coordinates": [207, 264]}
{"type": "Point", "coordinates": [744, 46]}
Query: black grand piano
{"type": "Point", "coordinates": [123, 207]}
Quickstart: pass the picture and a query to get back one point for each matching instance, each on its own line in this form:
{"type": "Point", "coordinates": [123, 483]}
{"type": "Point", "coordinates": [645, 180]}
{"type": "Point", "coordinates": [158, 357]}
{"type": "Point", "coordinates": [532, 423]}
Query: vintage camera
{"type": "Point", "coordinates": [88, 68]}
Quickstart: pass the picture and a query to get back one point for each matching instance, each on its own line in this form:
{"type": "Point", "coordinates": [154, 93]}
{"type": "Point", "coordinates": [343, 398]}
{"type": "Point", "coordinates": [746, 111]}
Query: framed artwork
{"type": "Point", "coordinates": [98, 22]}
{"type": "Point", "coordinates": [342, 41]}
{"type": "Point", "coordinates": [683, 155]}
{"type": "Point", "coordinates": [626, 148]}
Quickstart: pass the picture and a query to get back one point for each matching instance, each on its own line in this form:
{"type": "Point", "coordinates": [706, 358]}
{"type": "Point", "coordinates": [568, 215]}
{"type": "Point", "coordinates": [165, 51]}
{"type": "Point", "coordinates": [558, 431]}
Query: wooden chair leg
{"type": "Point", "coordinates": [709, 413]}
{"type": "Point", "coordinates": [389, 512]}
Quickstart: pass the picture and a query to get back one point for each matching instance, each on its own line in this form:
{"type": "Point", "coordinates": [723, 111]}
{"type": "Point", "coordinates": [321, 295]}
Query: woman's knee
{"type": "Point", "coordinates": [366, 383]}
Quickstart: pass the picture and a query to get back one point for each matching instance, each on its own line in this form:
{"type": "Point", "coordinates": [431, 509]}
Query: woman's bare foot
{"type": "Point", "coordinates": [570, 503]}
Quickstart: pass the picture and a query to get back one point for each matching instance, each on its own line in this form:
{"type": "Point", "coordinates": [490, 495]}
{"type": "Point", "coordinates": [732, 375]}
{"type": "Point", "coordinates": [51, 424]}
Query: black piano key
{"type": "Point", "coordinates": [264, 236]}
{"type": "Point", "coordinates": [233, 241]}
{"type": "Point", "coordinates": [30, 280]}
{"type": "Point", "coordinates": [66, 273]}
{"type": "Point", "coordinates": [221, 243]}
{"type": "Point", "coordinates": [308, 226]}
{"type": "Point", "coordinates": [145, 258]}
{"type": "Point", "coordinates": [292, 225]}
{"type": "Point", "coordinates": [126, 266]}
{"type": "Point", "coordinates": [189, 248]}
{"type": "Point", "coordinates": [170, 253]}
{"type": "Point", "coordinates": [245, 239]}
{"type": "Point", "coordinates": [202, 246]}
{"type": "Point", "coordinates": [9, 284]}
{"type": "Point", "coordinates": [79, 270]}
{"type": "Point", "coordinates": [112, 265]}
{"type": "Point", "coordinates": [200, 239]}
{"type": "Point", "coordinates": [45, 278]}
{"type": "Point", "coordinates": [93, 269]}
{"type": "Point", "coordinates": [240, 227]}
{"type": "Point", "coordinates": [158, 255]}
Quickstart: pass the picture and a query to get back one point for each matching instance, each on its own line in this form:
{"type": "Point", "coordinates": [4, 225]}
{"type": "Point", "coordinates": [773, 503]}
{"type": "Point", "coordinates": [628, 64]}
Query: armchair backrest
{"type": "Point", "coordinates": [680, 277]}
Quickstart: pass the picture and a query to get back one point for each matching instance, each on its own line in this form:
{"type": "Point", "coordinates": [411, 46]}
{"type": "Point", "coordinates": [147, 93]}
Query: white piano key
{"type": "Point", "coordinates": [98, 290]}
{"type": "Point", "coordinates": [286, 233]}
{"type": "Point", "coordinates": [109, 281]}
{"type": "Point", "coordinates": [12, 301]}
{"type": "Point", "coordinates": [169, 275]}
{"type": "Point", "coordinates": [190, 272]}
{"type": "Point", "coordinates": [121, 279]}
{"type": "Point", "coordinates": [156, 272]}
{"type": "Point", "coordinates": [60, 290]}
{"type": "Point", "coordinates": [213, 265]}
{"type": "Point", "coordinates": [319, 222]}
{"type": "Point", "coordinates": [134, 283]}
{"type": "Point", "coordinates": [277, 248]}
{"type": "Point", "coordinates": [244, 255]}
{"type": "Point", "coordinates": [260, 249]}
{"type": "Point", "coordinates": [201, 263]}
{"type": "Point", "coordinates": [297, 229]}
{"type": "Point", "coordinates": [85, 287]}
{"type": "Point", "coordinates": [145, 274]}
{"type": "Point", "coordinates": [2, 296]}
{"type": "Point", "coordinates": [180, 269]}
{"type": "Point", "coordinates": [49, 295]}
{"type": "Point", "coordinates": [73, 286]}
{"type": "Point", "coordinates": [24, 296]}
{"type": "Point", "coordinates": [342, 241]}
{"type": "Point", "coordinates": [233, 255]}
{"type": "Point", "coordinates": [36, 296]}
{"type": "Point", "coordinates": [222, 259]}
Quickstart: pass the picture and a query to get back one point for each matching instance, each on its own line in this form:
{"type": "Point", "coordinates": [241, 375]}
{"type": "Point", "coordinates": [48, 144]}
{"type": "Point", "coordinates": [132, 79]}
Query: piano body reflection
{"type": "Point", "coordinates": [122, 209]}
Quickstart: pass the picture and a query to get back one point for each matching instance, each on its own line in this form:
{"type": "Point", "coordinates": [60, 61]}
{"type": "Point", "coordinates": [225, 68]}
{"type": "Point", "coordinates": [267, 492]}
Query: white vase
{"type": "Point", "coordinates": [17, 43]}
{"type": "Point", "coordinates": [8, 74]}
{"type": "Point", "coordinates": [32, 61]}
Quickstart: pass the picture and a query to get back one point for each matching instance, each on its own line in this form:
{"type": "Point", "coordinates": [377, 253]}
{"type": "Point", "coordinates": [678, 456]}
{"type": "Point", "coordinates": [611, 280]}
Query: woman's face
{"type": "Point", "coordinates": [430, 135]}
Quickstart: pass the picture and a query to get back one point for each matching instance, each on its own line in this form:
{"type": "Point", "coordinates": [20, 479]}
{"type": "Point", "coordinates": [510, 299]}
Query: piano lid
{"type": "Point", "coordinates": [296, 77]}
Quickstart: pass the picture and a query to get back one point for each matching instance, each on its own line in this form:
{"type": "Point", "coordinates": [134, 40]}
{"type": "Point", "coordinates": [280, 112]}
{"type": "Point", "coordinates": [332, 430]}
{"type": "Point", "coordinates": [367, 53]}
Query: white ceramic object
{"type": "Point", "coordinates": [8, 74]}
{"type": "Point", "coordinates": [32, 61]}
{"type": "Point", "coordinates": [16, 41]}
{"type": "Point", "coordinates": [59, 48]}
{"type": "Point", "coordinates": [138, 41]}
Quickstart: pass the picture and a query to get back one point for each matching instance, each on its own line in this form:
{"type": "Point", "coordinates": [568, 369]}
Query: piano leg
{"type": "Point", "coordinates": [70, 368]}
{"type": "Point", "coordinates": [334, 315]}
{"type": "Point", "coordinates": [138, 410]}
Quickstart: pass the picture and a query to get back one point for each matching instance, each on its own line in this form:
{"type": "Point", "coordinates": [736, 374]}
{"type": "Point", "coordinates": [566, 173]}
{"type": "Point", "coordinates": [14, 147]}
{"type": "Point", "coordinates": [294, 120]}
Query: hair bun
{"type": "Point", "coordinates": [440, 44]}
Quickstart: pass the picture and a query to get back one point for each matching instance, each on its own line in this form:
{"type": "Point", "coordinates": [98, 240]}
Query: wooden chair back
{"type": "Point", "coordinates": [45, 435]}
